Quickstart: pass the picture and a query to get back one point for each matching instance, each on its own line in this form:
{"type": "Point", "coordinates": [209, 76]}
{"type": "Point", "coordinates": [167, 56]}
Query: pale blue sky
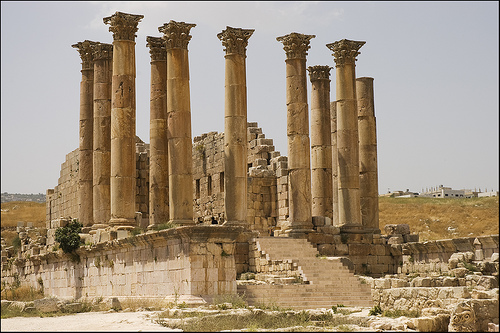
{"type": "Point", "coordinates": [435, 67]}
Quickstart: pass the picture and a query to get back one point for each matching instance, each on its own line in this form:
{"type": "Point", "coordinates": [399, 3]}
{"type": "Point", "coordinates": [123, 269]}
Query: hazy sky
{"type": "Point", "coordinates": [435, 67]}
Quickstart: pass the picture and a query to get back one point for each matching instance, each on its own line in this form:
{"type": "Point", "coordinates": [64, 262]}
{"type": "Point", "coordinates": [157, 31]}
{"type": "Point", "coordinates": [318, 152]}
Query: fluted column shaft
{"type": "Point", "coordinates": [335, 162]}
{"type": "Point", "coordinates": [158, 148]}
{"type": "Point", "coordinates": [103, 73]}
{"type": "Point", "coordinates": [321, 147]}
{"type": "Point", "coordinates": [345, 52]}
{"type": "Point", "coordinates": [299, 165]}
{"type": "Point", "coordinates": [180, 165]}
{"type": "Point", "coordinates": [368, 174]}
{"type": "Point", "coordinates": [235, 41]}
{"type": "Point", "coordinates": [123, 168]}
{"type": "Point", "coordinates": [85, 207]}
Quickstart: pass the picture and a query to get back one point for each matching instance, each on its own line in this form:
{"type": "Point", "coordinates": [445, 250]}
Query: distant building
{"type": "Point", "coordinates": [444, 192]}
{"type": "Point", "coordinates": [488, 194]}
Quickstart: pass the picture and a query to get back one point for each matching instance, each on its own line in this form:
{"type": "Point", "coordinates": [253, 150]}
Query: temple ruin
{"type": "Point", "coordinates": [308, 221]}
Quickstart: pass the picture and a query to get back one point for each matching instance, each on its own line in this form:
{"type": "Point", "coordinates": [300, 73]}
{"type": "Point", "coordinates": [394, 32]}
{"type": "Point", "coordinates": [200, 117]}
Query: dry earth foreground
{"type": "Point", "coordinates": [466, 300]}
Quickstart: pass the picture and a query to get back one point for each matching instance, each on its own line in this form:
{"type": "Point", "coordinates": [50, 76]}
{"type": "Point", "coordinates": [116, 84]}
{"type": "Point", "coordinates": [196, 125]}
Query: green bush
{"type": "Point", "coordinates": [68, 237]}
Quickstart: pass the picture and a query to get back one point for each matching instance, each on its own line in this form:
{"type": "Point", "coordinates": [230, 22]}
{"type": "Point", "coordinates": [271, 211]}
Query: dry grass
{"type": "Point", "coordinates": [26, 211]}
{"type": "Point", "coordinates": [434, 218]}
{"type": "Point", "coordinates": [431, 218]}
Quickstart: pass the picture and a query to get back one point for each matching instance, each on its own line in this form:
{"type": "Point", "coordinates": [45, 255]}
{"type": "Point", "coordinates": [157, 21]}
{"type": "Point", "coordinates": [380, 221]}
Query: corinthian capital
{"type": "Point", "coordinates": [176, 34]}
{"type": "Point", "coordinates": [123, 25]}
{"type": "Point", "coordinates": [86, 53]}
{"type": "Point", "coordinates": [157, 48]}
{"type": "Point", "coordinates": [319, 72]}
{"type": "Point", "coordinates": [345, 51]}
{"type": "Point", "coordinates": [235, 40]}
{"type": "Point", "coordinates": [103, 51]}
{"type": "Point", "coordinates": [295, 45]}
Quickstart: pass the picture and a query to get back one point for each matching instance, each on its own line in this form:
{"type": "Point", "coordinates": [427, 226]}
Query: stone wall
{"type": "Point", "coordinates": [265, 169]}
{"type": "Point", "coordinates": [196, 261]}
{"type": "Point", "coordinates": [434, 256]}
{"type": "Point", "coordinates": [62, 200]}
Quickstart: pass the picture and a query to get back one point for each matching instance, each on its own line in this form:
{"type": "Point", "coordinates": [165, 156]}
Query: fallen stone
{"type": "Point", "coordinates": [46, 304]}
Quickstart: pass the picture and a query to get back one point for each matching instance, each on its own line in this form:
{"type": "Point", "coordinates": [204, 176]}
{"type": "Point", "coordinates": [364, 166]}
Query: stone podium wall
{"type": "Point", "coordinates": [194, 261]}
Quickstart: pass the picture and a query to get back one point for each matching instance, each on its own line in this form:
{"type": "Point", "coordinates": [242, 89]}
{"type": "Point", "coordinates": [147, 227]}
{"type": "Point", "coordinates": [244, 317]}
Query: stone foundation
{"type": "Point", "coordinates": [197, 261]}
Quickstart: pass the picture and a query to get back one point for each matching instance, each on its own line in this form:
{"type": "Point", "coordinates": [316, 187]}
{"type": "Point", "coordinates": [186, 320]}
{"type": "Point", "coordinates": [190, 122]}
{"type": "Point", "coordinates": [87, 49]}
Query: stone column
{"type": "Point", "coordinates": [299, 165]}
{"type": "Point", "coordinates": [345, 52]}
{"type": "Point", "coordinates": [158, 158]}
{"type": "Point", "coordinates": [180, 160]}
{"type": "Point", "coordinates": [86, 128]}
{"type": "Point", "coordinates": [368, 174]}
{"type": "Point", "coordinates": [321, 142]}
{"type": "Point", "coordinates": [335, 163]}
{"type": "Point", "coordinates": [123, 168]}
{"type": "Point", "coordinates": [103, 73]}
{"type": "Point", "coordinates": [235, 41]}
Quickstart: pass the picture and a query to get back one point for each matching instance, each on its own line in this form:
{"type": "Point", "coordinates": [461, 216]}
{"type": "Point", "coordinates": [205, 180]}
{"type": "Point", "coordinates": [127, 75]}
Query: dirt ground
{"type": "Point", "coordinates": [86, 322]}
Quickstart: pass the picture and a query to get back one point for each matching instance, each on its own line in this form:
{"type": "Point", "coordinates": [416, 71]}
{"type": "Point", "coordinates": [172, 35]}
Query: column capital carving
{"type": "Point", "coordinates": [123, 25]}
{"type": "Point", "coordinates": [319, 72]}
{"type": "Point", "coordinates": [85, 49]}
{"type": "Point", "coordinates": [103, 51]}
{"type": "Point", "coordinates": [157, 48]}
{"type": "Point", "coordinates": [176, 34]}
{"type": "Point", "coordinates": [295, 45]}
{"type": "Point", "coordinates": [345, 51]}
{"type": "Point", "coordinates": [235, 40]}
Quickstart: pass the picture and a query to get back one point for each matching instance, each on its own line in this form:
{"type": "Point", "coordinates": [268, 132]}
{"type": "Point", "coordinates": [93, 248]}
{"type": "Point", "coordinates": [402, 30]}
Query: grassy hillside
{"type": "Point", "coordinates": [434, 218]}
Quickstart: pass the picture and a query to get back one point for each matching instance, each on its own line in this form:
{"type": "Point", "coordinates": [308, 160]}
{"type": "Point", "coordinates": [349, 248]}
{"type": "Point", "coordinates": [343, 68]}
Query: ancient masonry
{"type": "Point", "coordinates": [235, 206]}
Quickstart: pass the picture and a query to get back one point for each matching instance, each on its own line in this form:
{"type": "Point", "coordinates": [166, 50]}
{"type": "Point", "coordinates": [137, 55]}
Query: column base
{"type": "Point", "coordinates": [100, 226]}
{"type": "Point", "coordinates": [120, 221]}
{"type": "Point", "coordinates": [182, 222]}
{"type": "Point", "coordinates": [295, 233]}
{"type": "Point", "coordinates": [353, 229]}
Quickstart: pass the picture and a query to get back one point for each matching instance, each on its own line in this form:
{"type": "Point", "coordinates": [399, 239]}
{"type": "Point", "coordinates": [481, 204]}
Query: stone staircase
{"type": "Point", "coordinates": [328, 281]}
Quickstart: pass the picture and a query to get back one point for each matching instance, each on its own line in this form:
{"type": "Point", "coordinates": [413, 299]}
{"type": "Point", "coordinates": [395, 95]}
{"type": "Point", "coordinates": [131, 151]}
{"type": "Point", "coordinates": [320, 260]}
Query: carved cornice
{"type": "Point", "coordinates": [103, 51]}
{"type": "Point", "coordinates": [345, 51]}
{"type": "Point", "coordinates": [86, 54]}
{"type": "Point", "coordinates": [157, 48]}
{"type": "Point", "coordinates": [235, 40]}
{"type": "Point", "coordinates": [319, 72]}
{"type": "Point", "coordinates": [123, 25]}
{"type": "Point", "coordinates": [176, 34]}
{"type": "Point", "coordinates": [295, 45]}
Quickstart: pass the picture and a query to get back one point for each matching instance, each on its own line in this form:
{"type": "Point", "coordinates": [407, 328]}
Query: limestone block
{"type": "Point", "coordinates": [487, 282]}
{"type": "Point", "coordinates": [326, 249]}
{"type": "Point", "coordinates": [438, 323]}
{"type": "Point", "coordinates": [341, 249]}
{"type": "Point", "coordinates": [382, 283]}
{"type": "Point", "coordinates": [359, 249]}
{"type": "Point", "coordinates": [494, 257]}
{"type": "Point", "coordinates": [395, 239]}
{"type": "Point", "coordinates": [46, 304]}
{"type": "Point", "coordinates": [410, 238]}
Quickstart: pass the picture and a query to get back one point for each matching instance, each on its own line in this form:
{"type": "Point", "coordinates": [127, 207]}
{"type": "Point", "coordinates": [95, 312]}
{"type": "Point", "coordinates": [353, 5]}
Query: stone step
{"type": "Point", "coordinates": [330, 282]}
